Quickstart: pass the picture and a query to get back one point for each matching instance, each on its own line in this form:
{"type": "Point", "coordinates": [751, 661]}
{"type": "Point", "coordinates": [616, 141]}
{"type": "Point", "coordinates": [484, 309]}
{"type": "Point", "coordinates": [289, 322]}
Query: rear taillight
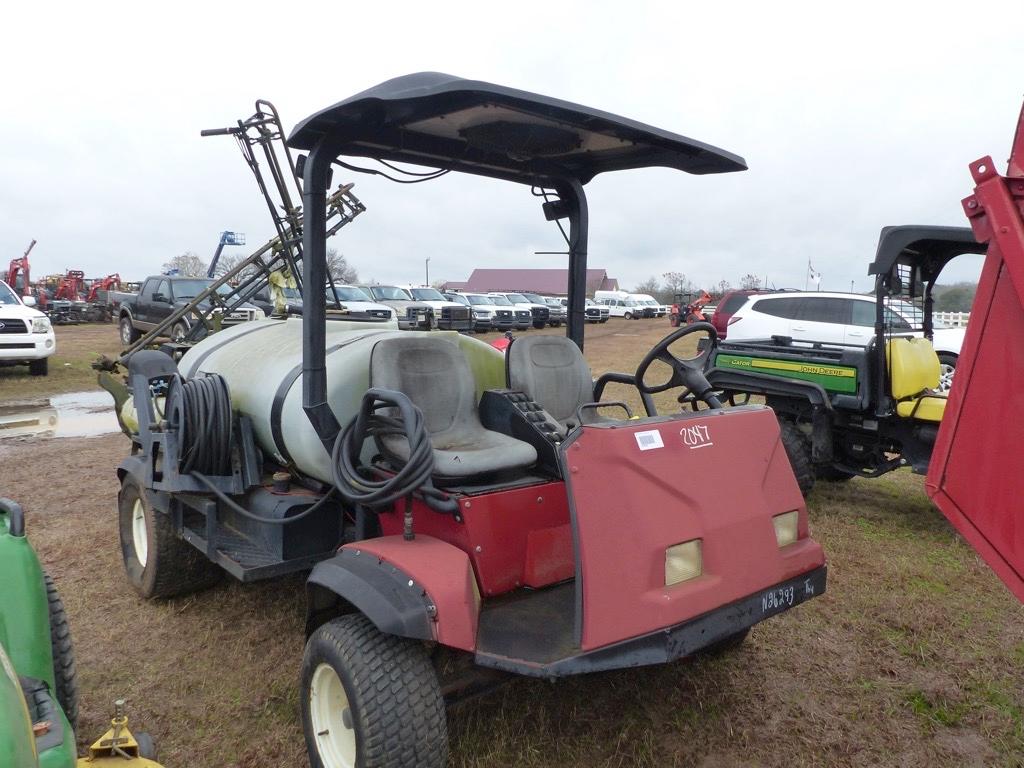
{"type": "Point", "coordinates": [734, 319]}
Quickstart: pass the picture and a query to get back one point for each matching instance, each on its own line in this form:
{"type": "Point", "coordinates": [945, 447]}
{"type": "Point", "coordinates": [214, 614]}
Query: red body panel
{"type": "Point", "coordinates": [513, 538]}
{"type": "Point", "coordinates": [445, 573]}
{"type": "Point", "coordinates": [720, 476]}
{"type": "Point", "coordinates": [975, 475]}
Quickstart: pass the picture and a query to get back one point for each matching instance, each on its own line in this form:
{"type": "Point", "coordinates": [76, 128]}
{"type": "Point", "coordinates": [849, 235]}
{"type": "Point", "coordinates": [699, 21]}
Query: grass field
{"type": "Point", "coordinates": [77, 347]}
{"type": "Point", "coordinates": [914, 656]}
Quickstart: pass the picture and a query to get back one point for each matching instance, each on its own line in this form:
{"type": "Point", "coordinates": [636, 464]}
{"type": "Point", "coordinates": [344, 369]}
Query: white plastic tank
{"type": "Point", "coordinates": [262, 364]}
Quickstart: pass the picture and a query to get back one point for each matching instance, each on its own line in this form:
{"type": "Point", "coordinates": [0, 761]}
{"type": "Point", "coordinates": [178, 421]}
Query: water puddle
{"type": "Point", "coordinates": [76, 414]}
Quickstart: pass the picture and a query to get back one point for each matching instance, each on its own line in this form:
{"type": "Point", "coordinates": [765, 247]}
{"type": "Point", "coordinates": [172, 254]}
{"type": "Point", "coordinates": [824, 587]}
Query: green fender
{"type": "Point", "coordinates": [24, 610]}
{"type": "Point", "coordinates": [25, 648]}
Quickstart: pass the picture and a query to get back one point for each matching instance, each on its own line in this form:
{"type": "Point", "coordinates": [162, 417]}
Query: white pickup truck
{"type": "Point", "coordinates": [26, 336]}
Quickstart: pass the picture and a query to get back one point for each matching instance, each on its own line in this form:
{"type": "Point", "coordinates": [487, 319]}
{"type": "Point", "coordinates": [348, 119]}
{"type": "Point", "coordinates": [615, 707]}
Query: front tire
{"type": "Point", "coordinates": [370, 699]}
{"type": "Point", "coordinates": [157, 561]}
{"type": "Point", "coordinates": [65, 674]}
{"type": "Point", "coordinates": [947, 367]}
{"type": "Point", "coordinates": [128, 333]}
{"type": "Point", "coordinates": [39, 367]}
{"type": "Point", "coordinates": [798, 450]}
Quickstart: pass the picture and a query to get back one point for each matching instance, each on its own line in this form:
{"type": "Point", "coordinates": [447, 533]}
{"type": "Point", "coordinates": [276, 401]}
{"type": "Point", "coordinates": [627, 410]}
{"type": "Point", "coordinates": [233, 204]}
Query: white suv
{"type": "Point", "coordinates": [26, 336]}
{"type": "Point", "coordinates": [838, 318]}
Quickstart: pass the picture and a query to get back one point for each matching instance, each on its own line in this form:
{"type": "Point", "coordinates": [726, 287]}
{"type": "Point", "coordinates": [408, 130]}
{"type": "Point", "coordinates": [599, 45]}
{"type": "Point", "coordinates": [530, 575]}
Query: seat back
{"type": "Point", "coordinates": [552, 372]}
{"type": "Point", "coordinates": [913, 366]}
{"type": "Point", "coordinates": [433, 373]}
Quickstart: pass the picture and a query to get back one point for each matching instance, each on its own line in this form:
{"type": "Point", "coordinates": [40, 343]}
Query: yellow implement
{"type": "Point", "coordinates": [118, 747]}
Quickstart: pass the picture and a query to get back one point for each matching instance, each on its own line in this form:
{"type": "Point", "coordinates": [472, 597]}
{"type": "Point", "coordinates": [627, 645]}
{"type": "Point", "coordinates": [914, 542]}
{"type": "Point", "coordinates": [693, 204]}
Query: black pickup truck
{"type": "Point", "coordinates": [163, 295]}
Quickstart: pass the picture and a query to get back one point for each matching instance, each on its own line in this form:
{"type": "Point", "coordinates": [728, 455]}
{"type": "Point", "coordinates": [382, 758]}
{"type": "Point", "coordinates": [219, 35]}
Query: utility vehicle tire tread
{"type": "Point", "coordinates": [798, 450]}
{"type": "Point", "coordinates": [65, 673]}
{"type": "Point", "coordinates": [39, 367]}
{"type": "Point", "coordinates": [174, 567]}
{"type": "Point", "coordinates": [394, 695]}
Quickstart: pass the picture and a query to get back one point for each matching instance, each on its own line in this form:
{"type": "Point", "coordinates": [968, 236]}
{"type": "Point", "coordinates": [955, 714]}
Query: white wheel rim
{"type": "Point", "coordinates": [946, 372]}
{"type": "Point", "coordinates": [139, 538]}
{"type": "Point", "coordinates": [328, 713]}
{"type": "Point", "coordinates": [125, 333]}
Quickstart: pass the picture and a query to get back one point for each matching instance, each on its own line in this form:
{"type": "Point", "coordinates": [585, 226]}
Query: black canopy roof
{"type": "Point", "coordinates": [929, 248]}
{"type": "Point", "coordinates": [442, 121]}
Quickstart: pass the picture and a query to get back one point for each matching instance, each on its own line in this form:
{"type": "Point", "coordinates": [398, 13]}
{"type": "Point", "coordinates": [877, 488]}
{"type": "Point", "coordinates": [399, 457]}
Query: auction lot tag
{"type": "Point", "coordinates": [649, 440]}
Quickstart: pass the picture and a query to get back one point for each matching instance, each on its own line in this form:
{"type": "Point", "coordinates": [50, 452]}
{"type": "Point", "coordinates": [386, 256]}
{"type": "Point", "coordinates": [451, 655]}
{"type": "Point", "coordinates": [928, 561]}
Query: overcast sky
{"type": "Point", "coordinates": [849, 120]}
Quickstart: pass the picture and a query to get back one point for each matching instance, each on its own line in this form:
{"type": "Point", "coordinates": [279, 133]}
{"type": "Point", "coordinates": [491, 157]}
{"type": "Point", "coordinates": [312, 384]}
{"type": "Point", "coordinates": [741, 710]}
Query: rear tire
{"type": "Point", "coordinates": [178, 331]}
{"type": "Point", "coordinates": [158, 562]}
{"type": "Point", "coordinates": [798, 450]}
{"type": "Point", "coordinates": [128, 333]}
{"type": "Point", "coordinates": [39, 367]}
{"type": "Point", "coordinates": [65, 674]}
{"type": "Point", "coordinates": [370, 699]}
{"type": "Point", "coordinates": [628, 316]}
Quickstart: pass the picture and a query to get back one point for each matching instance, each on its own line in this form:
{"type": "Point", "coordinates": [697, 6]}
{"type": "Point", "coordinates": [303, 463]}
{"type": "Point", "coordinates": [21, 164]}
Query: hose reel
{"type": "Point", "coordinates": [199, 410]}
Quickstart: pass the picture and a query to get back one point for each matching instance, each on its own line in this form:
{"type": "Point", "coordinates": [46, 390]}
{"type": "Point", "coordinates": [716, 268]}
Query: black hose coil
{"type": "Point", "coordinates": [205, 428]}
{"type": "Point", "coordinates": [360, 485]}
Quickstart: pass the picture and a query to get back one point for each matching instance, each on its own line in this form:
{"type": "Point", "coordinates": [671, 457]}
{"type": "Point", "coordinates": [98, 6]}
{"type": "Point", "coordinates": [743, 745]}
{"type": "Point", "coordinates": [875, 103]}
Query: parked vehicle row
{"type": "Point", "coordinates": [631, 306]}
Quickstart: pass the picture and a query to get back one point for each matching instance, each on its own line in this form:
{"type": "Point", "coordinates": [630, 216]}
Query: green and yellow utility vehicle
{"type": "Point", "coordinates": [38, 684]}
{"type": "Point", "coordinates": [851, 410]}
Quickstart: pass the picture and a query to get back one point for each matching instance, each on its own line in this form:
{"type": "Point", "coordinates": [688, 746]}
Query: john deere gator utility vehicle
{"type": "Point", "coordinates": [465, 513]}
{"type": "Point", "coordinates": [855, 410]}
{"type": "Point", "coordinates": [38, 681]}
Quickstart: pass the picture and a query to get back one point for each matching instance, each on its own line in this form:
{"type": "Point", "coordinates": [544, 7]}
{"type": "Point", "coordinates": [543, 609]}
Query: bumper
{"type": "Point", "coordinates": [27, 346]}
{"type": "Point", "coordinates": [455, 324]}
{"type": "Point", "coordinates": [671, 643]}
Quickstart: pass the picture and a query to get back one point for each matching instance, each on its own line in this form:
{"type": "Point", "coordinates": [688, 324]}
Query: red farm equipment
{"type": "Point", "coordinates": [19, 273]}
{"type": "Point", "coordinates": [974, 476]}
{"type": "Point", "coordinates": [108, 283]}
{"type": "Point", "coordinates": [71, 287]}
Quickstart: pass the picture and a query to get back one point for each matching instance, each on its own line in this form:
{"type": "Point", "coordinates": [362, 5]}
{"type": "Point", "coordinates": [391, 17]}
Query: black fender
{"type": "Point", "coordinates": [354, 581]}
{"type": "Point", "coordinates": [769, 386]}
{"type": "Point", "coordinates": [134, 466]}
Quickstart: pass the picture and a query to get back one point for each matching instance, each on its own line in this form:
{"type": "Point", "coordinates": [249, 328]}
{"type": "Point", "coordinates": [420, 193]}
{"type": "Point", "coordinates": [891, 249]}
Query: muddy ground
{"type": "Point", "coordinates": [914, 656]}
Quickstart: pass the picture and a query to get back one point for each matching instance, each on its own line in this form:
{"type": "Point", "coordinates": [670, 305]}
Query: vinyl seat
{"type": "Point", "coordinates": [434, 374]}
{"type": "Point", "coordinates": [913, 376]}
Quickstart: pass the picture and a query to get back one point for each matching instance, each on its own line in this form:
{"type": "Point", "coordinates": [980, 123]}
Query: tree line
{"type": "Point", "coordinates": [665, 288]}
{"type": "Point", "coordinates": [190, 264]}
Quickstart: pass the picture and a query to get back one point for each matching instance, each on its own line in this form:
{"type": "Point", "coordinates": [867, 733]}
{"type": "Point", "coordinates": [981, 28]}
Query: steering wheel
{"type": "Point", "coordinates": [688, 374]}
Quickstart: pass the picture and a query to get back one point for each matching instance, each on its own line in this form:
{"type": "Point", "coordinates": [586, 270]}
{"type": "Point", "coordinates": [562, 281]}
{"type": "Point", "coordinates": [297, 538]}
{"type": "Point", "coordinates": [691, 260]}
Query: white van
{"type": "Point", "coordinates": [660, 310]}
